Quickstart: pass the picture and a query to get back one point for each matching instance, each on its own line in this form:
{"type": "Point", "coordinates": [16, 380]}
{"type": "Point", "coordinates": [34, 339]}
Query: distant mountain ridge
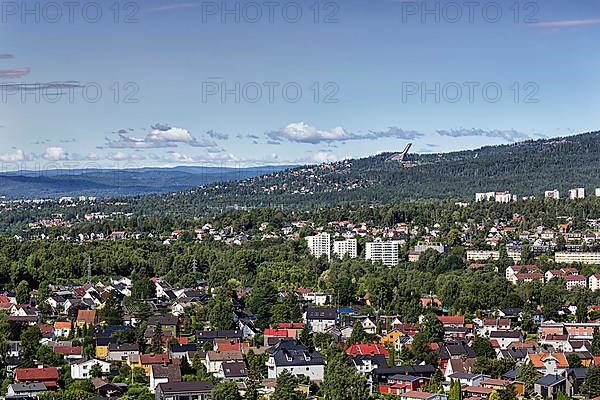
{"type": "Point", "coordinates": [116, 183]}
{"type": "Point", "coordinates": [525, 168]}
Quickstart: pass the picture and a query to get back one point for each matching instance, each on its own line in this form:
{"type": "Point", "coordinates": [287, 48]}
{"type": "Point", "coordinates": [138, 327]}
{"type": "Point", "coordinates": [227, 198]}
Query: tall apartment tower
{"type": "Point", "coordinates": [344, 248]}
{"type": "Point", "coordinates": [385, 252]}
{"type": "Point", "coordinates": [320, 245]}
{"type": "Point", "coordinates": [577, 193]}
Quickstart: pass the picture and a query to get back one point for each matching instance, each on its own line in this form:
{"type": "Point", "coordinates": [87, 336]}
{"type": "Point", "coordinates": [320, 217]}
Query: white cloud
{"type": "Point", "coordinates": [323, 157]}
{"type": "Point", "coordinates": [303, 133]}
{"type": "Point", "coordinates": [18, 155]}
{"type": "Point", "coordinates": [510, 135]}
{"type": "Point", "coordinates": [56, 154]}
{"type": "Point", "coordinates": [124, 156]}
{"type": "Point", "coordinates": [159, 137]}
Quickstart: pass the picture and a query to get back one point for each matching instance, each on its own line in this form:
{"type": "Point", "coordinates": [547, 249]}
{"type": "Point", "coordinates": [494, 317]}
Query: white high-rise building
{"type": "Point", "coordinates": [577, 193]}
{"type": "Point", "coordinates": [345, 248]}
{"type": "Point", "coordinates": [552, 194]}
{"type": "Point", "coordinates": [385, 252]}
{"type": "Point", "coordinates": [597, 192]}
{"type": "Point", "coordinates": [320, 245]}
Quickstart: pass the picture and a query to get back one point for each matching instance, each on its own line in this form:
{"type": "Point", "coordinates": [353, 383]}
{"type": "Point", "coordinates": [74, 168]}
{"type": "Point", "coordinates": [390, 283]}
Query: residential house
{"type": "Point", "coordinates": [549, 363]}
{"type": "Point", "coordinates": [46, 375]}
{"type": "Point", "coordinates": [506, 338]}
{"type": "Point", "coordinates": [122, 352]}
{"type": "Point", "coordinates": [164, 374]}
{"type": "Point", "coordinates": [80, 369]}
{"type": "Point", "coordinates": [197, 390]}
{"type": "Point", "coordinates": [548, 386]}
{"type": "Point", "coordinates": [25, 391]}
{"type": "Point", "coordinates": [320, 319]}
{"type": "Point", "coordinates": [297, 359]}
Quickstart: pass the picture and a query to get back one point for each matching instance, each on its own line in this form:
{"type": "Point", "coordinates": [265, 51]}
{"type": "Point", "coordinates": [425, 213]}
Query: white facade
{"type": "Point", "coordinates": [552, 194]}
{"type": "Point", "coordinates": [594, 282]}
{"type": "Point", "coordinates": [320, 245]}
{"type": "Point", "coordinates": [345, 248]}
{"type": "Point", "coordinates": [583, 258]}
{"type": "Point", "coordinates": [597, 192]}
{"type": "Point", "coordinates": [577, 193]}
{"type": "Point", "coordinates": [384, 252]}
{"type": "Point", "coordinates": [485, 196]}
{"type": "Point", "coordinates": [313, 372]}
{"type": "Point", "coordinates": [82, 370]}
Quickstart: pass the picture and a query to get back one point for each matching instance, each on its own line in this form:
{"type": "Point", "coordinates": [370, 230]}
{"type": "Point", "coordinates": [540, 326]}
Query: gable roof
{"type": "Point", "coordinates": [87, 316]}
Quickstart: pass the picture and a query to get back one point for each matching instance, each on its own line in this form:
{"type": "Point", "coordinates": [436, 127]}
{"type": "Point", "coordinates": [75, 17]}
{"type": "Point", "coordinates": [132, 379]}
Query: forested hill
{"type": "Point", "coordinates": [526, 168]}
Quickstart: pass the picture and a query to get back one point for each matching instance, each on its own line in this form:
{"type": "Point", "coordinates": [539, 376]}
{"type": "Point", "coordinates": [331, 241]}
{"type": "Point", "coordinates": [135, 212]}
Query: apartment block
{"type": "Point", "coordinates": [343, 248]}
{"type": "Point", "coordinates": [320, 245]}
{"type": "Point", "coordinates": [566, 257]}
{"type": "Point", "coordinates": [384, 252]}
{"type": "Point", "coordinates": [577, 193]}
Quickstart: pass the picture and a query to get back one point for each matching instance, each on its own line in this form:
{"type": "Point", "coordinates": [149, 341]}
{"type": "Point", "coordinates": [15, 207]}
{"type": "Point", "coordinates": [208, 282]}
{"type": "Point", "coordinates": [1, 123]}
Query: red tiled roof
{"type": "Point", "coordinates": [36, 374]}
{"type": "Point", "coordinates": [68, 350]}
{"type": "Point", "coordinates": [87, 316]}
{"type": "Point", "coordinates": [147, 359]}
{"type": "Point", "coordinates": [451, 320]}
{"type": "Point", "coordinates": [366, 349]}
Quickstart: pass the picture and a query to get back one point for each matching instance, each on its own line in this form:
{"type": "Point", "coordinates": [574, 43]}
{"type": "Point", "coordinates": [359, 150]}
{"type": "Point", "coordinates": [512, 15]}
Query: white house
{"type": "Point", "coordinates": [320, 319]}
{"type": "Point", "coordinates": [80, 369]}
{"type": "Point", "coordinates": [594, 282]}
{"type": "Point", "coordinates": [297, 359]}
{"type": "Point", "coordinates": [506, 338]}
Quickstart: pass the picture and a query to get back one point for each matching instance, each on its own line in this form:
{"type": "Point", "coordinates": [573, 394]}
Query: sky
{"type": "Point", "coordinates": [186, 82]}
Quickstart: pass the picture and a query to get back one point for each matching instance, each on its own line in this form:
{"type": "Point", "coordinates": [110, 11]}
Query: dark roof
{"type": "Point", "coordinates": [163, 320]}
{"type": "Point", "coordinates": [171, 372]}
{"type": "Point", "coordinates": [212, 335]}
{"type": "Point", "coordinates": [321, 313]}
{"type": "Point", "coordinates": [416, 370]}
{"type": "Point", "coordinates": [182, 348]}
{"type": "Point", "coordinates": [514, 353]}
{"type": "Point", "coordinates": [376, 359]}
{"type": "Point", "coordinates": [550, 380]}
{"type": "Point", "coordinates": [234, 369]}
{"type": "Point", "coordinates": [293, 353]}
{"type": "Point", "coordinates": [578, 373]}
{"type": "Point", "coordinates": [123, 347]}
{"type": "Point", "coordinates": [505, 334]}
{"type": "Point", "coordinates": [185, 387]}
{"type": "Point", "coordinates": [512, 374]}
{"type": "Point", "coordinates": [455, 349]}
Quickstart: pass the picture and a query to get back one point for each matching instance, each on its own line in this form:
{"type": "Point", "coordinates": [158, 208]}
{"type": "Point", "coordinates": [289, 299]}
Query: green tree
{"type": "Point", "coordinates": [112, 312]}
{"type": "Point", "coordinates": [358, 334]}
{"type": "Point", "coordinates": [483, 348]}
{"type": "Point", "coordinates": [455, 390]}
{"type": "Point", "coordinates": [596, 342]}
{"type": "Point", "coordinates": [528, 375]}
{"type": "Point", "coordinates": [285, 389]}
{"type": "Point", "coordinates": [574, 360]}
{"type": "Point", "coordinates": [22, 292]}
{"type": "Point", "coordinates": [432, 328]}
{"type": "Point", "coordinates": [156, 346]}
{"type": "Point", "coordinates": [225, 391]}
{"type": "Point", "coordinates": [30, 342]}
{"type": "Point", "coordinates": [260, 300]}
{"type": "Point", "coordinates": [96, 371]}
{"type": "Point", "coordinates": [220, 311]}
{"type": "Point", "coordinates": [342, 381]}
{"type": "Point", "coordinates": [591, 383]}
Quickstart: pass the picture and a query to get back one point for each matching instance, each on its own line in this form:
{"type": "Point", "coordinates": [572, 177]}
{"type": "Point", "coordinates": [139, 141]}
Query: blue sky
{"type": "Point", "coordinates": [374, 75]}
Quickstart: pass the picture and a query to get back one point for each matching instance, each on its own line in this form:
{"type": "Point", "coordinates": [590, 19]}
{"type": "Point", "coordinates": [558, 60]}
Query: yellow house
{"type": "Point", "coordinates": [391, 338]}
{"type": "Point", "coordinates": [102, 348]}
